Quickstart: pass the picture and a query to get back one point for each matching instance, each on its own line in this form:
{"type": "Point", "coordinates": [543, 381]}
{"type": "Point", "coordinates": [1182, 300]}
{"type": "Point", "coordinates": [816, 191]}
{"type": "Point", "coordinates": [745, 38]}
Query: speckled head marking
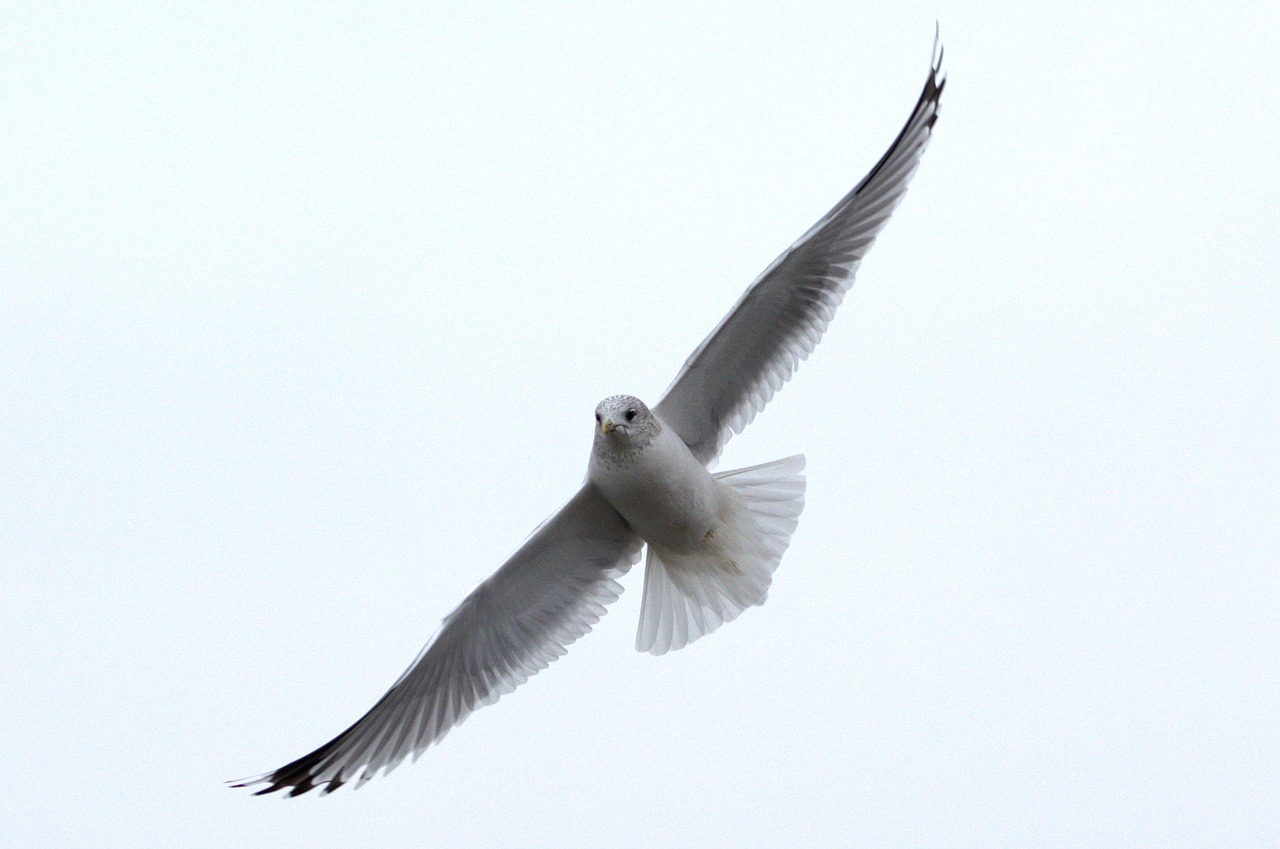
{"type": "Point", "coordinates": [623, 425]}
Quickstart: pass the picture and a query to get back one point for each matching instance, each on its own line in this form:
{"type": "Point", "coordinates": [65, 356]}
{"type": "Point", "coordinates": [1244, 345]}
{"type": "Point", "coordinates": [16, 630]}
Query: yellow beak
{"type": "Point", "coordinates": [607, 425]}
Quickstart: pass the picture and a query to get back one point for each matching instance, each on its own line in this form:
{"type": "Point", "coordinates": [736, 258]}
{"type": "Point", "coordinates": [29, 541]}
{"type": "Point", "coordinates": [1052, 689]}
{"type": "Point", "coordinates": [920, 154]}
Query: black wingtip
{"type": "Point", "coordinates": [296, 777]}
{"type": "Point", "coordinates": [937, 77]}
{"type": "Point", "coordinates": [269, 779]}
{"type": "Point", "coordinates": [928, 100]}
{"type": "Point", "coordinates": [937, 80]}
{"type": "Point", "coordinates": [299, 776]}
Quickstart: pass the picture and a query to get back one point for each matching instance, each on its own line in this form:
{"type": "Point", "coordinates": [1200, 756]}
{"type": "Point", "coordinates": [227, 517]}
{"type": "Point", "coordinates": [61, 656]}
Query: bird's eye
{"type": "Point", "coordinates": [597, 418]}
{"type": "Point", "coordinates": [631, 415]}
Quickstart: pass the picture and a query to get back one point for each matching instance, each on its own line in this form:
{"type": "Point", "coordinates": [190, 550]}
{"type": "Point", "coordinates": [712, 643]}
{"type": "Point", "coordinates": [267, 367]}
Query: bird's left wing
{"type": "Point", "coordinates": [777, 323]}
{"type": "Point", "coordinates": [525, 615]}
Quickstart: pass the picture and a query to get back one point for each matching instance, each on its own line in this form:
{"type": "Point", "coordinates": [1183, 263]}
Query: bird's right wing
{"type": "Point", "coordinates": [777, 323]}
{"type": "Point", "coordinates": [525, 615]}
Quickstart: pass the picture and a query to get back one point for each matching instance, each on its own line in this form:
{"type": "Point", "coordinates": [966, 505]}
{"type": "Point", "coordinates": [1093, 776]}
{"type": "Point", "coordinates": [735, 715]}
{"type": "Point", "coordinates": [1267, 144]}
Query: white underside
{"type": "Point", "coordinates": [690, 594]}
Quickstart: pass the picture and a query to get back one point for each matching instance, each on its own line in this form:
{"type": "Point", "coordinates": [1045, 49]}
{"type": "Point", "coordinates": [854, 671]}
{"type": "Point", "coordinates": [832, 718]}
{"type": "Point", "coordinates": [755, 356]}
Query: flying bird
{"type": "Point", "coordinates": [714, 540]}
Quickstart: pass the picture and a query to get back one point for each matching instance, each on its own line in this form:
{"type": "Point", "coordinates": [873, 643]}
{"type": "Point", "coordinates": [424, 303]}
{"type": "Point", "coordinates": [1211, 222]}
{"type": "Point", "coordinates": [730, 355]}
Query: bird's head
{"type": "Point", "coordinates": [624, 418]}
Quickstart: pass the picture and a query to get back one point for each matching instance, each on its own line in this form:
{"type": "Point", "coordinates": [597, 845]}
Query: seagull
{"type": "Point", "coordinates": [713, 539]}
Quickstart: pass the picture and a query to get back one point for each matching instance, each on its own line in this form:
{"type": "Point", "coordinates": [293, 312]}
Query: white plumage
{"type": "Point", "coordinates": [689, 595]}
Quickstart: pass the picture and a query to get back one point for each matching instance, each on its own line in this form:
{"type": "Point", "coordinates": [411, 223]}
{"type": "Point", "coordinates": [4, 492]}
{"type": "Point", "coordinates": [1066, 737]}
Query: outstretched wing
{"type": "Point", "coordinates": [781, 318]}
{"type": "Point", "coordinates": [525, 615]}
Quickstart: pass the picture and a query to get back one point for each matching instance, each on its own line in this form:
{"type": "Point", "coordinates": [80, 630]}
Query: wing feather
{"type": "Point", "coordinates": [524, 616]}
{"type": "Point", "coordinates": [782, 316]}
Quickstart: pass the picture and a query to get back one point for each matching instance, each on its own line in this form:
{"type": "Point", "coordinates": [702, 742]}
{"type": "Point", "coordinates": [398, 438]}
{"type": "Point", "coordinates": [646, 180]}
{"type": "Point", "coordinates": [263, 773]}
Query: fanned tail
{"type": "Point", "coordinates": [689, 595]}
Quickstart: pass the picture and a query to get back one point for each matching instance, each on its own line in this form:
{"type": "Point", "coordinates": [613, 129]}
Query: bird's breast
{"type": "Point", "coordinates": [667, 497]}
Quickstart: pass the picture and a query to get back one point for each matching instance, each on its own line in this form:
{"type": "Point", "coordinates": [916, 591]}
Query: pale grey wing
{"type": "Point", "coordinates": [525, 615]}
{"type": "Point", "coordinates": [782, 316]}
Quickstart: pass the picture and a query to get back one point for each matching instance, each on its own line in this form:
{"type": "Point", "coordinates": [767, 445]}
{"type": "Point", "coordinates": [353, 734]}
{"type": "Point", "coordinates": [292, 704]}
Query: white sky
{"type": "Point", "coordinates": [304, 314]}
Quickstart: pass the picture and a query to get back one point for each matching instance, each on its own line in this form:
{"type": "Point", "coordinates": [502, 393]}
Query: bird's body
{"type": "Point", "coordinates": [646, 472]}
{"type": "Point", "coordinates": [714, 540]}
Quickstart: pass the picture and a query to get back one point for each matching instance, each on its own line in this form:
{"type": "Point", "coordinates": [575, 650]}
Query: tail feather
{"type": "Point", "coordinates": [688, 595]}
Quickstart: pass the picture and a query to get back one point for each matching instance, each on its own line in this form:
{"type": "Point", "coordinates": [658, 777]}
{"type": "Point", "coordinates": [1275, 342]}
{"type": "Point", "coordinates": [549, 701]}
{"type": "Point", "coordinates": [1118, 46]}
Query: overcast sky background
{"type": "Point", "coordinates": [304, 313]}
